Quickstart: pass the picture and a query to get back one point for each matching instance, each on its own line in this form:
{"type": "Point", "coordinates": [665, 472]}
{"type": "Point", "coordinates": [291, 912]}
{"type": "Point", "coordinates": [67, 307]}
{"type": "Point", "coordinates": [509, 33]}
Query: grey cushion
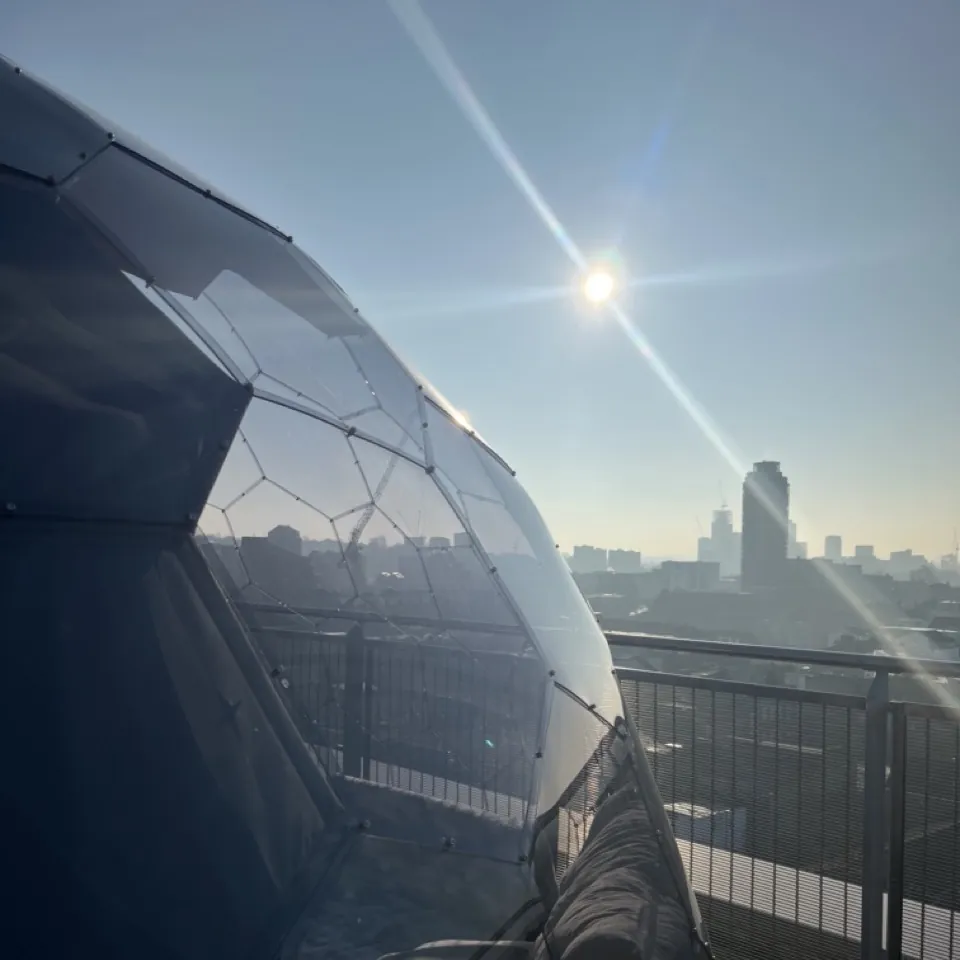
{"type": "Point", "coordinates": [618, 899]}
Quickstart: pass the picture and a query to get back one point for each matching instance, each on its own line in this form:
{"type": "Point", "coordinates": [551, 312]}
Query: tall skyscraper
{"type": "Point", "coordinates": [833, 548]}
{"type": "Point", "coordinates": [766, 516]}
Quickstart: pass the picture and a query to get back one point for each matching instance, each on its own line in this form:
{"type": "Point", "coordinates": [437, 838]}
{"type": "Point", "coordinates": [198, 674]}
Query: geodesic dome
{"type": "Point", "coordinates": [389, 643]}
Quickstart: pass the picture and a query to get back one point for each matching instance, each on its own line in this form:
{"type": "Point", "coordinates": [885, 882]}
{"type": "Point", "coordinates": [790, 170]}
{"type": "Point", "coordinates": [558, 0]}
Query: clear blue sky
{"type": "Point", "coordinates": [799, 163]}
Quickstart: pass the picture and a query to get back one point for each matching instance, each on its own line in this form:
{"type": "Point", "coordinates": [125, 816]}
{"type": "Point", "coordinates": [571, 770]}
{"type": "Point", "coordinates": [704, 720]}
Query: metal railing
{"type": "Point", "coordinates": [816, 822]}
{"type": "Point", "coordinates": [811, 822]}
{"type": "Point", "coordinates": [430, 717]}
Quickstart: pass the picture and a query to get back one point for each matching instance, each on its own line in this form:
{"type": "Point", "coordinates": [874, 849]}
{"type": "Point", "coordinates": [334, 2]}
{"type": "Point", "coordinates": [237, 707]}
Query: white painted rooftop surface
{"type": "Point", "coordinates": [811, 900]}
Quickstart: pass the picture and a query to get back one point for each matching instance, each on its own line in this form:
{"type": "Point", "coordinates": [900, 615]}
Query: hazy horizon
{"type": "Point", "coordinates": [780, 183]}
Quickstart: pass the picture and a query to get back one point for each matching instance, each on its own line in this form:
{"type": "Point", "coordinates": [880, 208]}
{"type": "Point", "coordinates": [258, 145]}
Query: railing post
{"type": "Point", "coordinates": [874, 818]}
{"type": "Point", "coordinates": [353, 706]}
{"type": "Point", "coordinates": [369, 692]}
{"type": "Point", "coordinates": [898, 803]}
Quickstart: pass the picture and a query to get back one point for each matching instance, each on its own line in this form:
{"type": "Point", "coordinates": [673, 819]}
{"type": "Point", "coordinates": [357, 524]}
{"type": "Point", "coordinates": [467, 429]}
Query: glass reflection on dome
{"type": "Point", "coordinates": [350, 496]}
{"type": "Point", "coordinates": [525, 558]}
{"type": "Point", "coordinates": [279, 323]}
{"type": "Point", "coordinates": [395, 598]}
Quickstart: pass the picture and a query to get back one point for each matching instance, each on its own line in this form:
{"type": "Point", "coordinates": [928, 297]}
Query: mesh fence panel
{"type": "Point", "coordinates": [766, 799]}
{"type": "Point", "coordinates": [437, 720]}
{"type": "Point", "coordinates": [931, 833]}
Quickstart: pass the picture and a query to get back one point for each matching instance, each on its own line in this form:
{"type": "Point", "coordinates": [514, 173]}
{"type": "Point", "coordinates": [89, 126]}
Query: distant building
{"type": "Point", "coordinates": [587, 559]}
{"type": "Point", "coordinates": [863, 552]}
{"type": "Point", "coordinates": [723, 544]}
{"type": "Point", "coordinates": [690, 576]}
{"type": "Point", "coordinates": [903, 563]}
{"type": "Point", "coordinates": [833, 548]}
{"type": "Point", "coordinates": [278, 571]}
{"type": "Point", "coordinates": [286, 538]}
{"type": "Point", "coordinates": [796, 549]}
{"type": "Point", "coordinates": [766, 509]}
{"type": "Point", "coordinates": [619, 596]}
{"type": "Point", "coordinates": [705, 551]}
{"type": "Point", "coordinates": [726, 543]}
{"type": "Point", "coordinates": [625, 561]}
{"type": "Point", "coordinates": [711, 615]}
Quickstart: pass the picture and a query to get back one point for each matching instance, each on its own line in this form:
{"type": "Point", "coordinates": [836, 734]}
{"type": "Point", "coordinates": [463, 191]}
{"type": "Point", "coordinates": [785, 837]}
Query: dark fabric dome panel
{"type": "Point", "coordinates": [114, 414]}
{"type": "Point", "coordinates": [140, 759]}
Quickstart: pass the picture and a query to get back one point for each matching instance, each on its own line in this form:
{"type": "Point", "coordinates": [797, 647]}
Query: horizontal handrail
{"type": "Point", "coordinates": [871, 662]}
{"type": "Point", "coordinates": [370, 616]}
{"type": "Point", "coordinates": [720, 685]}
{"type": "Point", "coordinates": [326, 636]}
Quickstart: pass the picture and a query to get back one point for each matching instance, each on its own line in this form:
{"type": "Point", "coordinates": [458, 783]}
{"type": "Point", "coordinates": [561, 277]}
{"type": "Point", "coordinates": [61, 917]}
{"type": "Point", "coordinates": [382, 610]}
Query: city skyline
{"type": "Point", "coordinates": [799, 544]}
{"type": "Point", "coordinates": [800, 284]}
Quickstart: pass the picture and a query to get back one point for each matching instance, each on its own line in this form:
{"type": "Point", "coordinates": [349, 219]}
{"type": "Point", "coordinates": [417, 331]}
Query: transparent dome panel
{"type": "Point", "coordinates": [394, 648]}
{"type": "Point", "coordinates": [272, 318]}
{"type": "Point", "coordinates": [271, 511]}
{"type": "Point", "coordinates": [577, 768]}
{"type": "Point", "coordinates": [456, 457]}
{"type": "Point", "coordinates": [420, 559]}
{"type": "Point", "coordinates": [519, 548]}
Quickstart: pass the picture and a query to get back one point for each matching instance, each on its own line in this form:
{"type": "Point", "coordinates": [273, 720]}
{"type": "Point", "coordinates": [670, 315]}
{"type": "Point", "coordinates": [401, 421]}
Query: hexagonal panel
{"type": "Point", "coordinates": [386, 565]}
{"type": "Point", "coordinates": [456, 457]}
{"type": "Point", "coordinates": [529, 564]}
{"type": "Point", "coordinates": [310, 459]}
{"type": "Point", "coordinates": [391, 384]}
{"type": "Point", "coordinates": [277, 537]}
{"type": "Point", "coordinates": [367, 525]}
{"type": "Point", "coordinates": [240, 471]}
{"type": "Point", "coordinates": [382, 426]}
{"type": "Point", "coordinates": [464, 588]}
{"type": "Point", "coordinates": [218, 326]}
{"type": "Point", "coordinates": [279, 320]}
{"type": "Point", "coordinates": [410, 497]}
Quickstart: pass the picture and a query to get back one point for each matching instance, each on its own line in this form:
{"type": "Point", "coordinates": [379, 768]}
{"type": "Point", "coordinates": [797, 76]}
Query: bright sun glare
{"type": "Point", "coordinates": [598, 286]}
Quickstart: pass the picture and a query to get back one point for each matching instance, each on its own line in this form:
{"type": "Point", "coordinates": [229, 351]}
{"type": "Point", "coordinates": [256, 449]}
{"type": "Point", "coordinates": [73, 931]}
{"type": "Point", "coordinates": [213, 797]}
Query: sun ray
{"type": "Point", "coordinates": [424, 35]}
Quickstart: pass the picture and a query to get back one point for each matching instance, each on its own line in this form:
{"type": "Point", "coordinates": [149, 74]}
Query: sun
{"type": "Point", "coordinates": [598, 286]}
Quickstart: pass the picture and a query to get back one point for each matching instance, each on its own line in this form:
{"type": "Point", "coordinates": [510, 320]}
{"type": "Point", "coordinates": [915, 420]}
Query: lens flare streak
{"type": "Point", "coordinates": [422, 32]}
{"type": "Point", "coordinates": [425, 37]}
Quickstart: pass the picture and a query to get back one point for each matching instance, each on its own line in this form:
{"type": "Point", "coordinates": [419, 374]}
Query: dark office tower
{"type": "Point", "coordinates": [766, 511]}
